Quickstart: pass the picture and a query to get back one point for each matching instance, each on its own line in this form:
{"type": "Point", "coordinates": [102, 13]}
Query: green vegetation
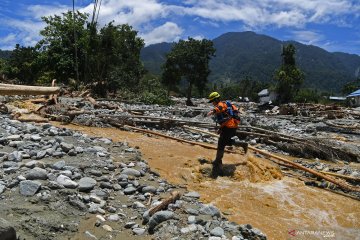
{"type": "Point", "coordinates": [247, 87]}
{"type": "Point", "coordinates": [78, 53]}
{"type": "Point", "coordinates": [351, 86]}
{"type": "Point", "coordinates": [241, 54]}
{"type": "Point", "coordinates": [188, 60]}
{"type": "Point", "coordinates": [289, 78]}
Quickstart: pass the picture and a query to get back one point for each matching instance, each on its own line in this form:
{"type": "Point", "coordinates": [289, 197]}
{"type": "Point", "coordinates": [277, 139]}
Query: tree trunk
{"type": "Point", "coordinates": [9, 89]}
{"type": "Point", "coordinates": [188, 100]}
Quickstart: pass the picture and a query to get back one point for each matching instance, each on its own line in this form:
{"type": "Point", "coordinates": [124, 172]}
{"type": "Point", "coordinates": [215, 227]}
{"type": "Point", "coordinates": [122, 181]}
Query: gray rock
{"type": "Point", "coordinates": [55, 185]}
{"type": "Point", "coordinates": [35, 138]}
{"type": "Point", "coordinates": [191, 219]}
{"type": "Point", "coordinates": [41, 154]}
{"type": "Point", "coordinates": [113, 218]}
{"type": "Point", "coordinates": [59, 165]}
{"type": "Point", "coordinates": [131, 172]}
{"type": "Point", "coordinates": [107, 185]}
{"type": "Point", "coordinates": [86, 184]}
{"type": "Point", "coordinates": [129, 224]}
{"type": "Point", "coordinates": [36, 174]}
{"type": "Point", "coordinates": [158, 218]}
{"type": "Point", "coordinates": [75, 202]}
{"type": "Point", "coordinates": [31, 164]}
{"type": "Point", "coordinates": [11, 170]}
{"type": "Point", "coordinates": [10, 164]}
{"type": "Point", "coordinates": [129, 190]}
{"type": "Point", "coordinates": [66, 147]}
{"type": "Point", "coordinates": [217, 232]}
{"type": "Point", "coordinates": [72, 153]}
{"type": "Point", "coordinates": [138, 231]}
{"type": "Point", "coordinates": [79, 149]}
{"type": "Point", "coordinates": [15, 156]}
{"type": "Point", "coordinates": [7, 232]}
{"type": "Point", "coordinates": [138, 205]}
{"type": "Point", "coordinates": [29, 188]}
{"type": "Point", "coordinates": [150, 189]}
{"type": "Point", "coordinates": [117, 187]}
{"type": "Point", "coordinates": [214, 238]}
{"type": "Point", "coordinates": [192, 195]}
{"type": "Point", "coordinates": [99, 149]}
{"type": "Point", "coordinates": [190, 228]}
{"type": "Point", "coordinates": [14, 138]}
{"type": "Point", "coordinates": [90, 235]}
{"type": "Point", "coordinates": [96, 173]}
{"type": "Point", "coordinates": [58, 154]}
{"type": "Point", "coordinates": [2, 188]}
{"type": "Point", "coordinates": [66, 181]}
{"type": "Point", "coordinates": [192, 211]}
{"type": "Point", "coordinates": [211, 210]}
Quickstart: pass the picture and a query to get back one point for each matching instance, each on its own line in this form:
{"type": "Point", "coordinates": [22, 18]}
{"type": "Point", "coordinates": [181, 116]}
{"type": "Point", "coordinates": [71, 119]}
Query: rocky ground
{"type": "Point", "coordinates": [53, 181]}
{"type": "Point", "coordinates": [59, 184]}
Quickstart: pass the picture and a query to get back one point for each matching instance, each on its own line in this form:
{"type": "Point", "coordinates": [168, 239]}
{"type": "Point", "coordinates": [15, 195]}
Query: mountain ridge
{"type": "Point", "coordinates": [242, 54]}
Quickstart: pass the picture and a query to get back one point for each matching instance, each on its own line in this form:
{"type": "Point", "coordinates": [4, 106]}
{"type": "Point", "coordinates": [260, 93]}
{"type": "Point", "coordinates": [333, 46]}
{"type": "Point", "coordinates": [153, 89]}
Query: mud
{"type": "Point", "coordinates": [254, 190]}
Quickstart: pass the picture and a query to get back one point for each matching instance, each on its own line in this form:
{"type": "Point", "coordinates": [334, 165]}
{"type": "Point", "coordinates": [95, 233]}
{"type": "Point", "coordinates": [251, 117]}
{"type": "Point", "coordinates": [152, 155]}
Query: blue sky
{"type": "Point", "coordinates": [331, 24]}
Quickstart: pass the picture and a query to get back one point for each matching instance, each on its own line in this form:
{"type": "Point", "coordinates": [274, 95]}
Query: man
{"type": "Point", "coordinates": [226, 114]}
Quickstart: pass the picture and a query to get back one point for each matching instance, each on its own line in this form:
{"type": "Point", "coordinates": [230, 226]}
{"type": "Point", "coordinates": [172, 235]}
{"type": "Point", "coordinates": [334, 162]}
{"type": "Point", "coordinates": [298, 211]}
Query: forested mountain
{"type": "Point", "coordinates": [241, 54]}
{"type": "Point", "coordinates": [5, 54]}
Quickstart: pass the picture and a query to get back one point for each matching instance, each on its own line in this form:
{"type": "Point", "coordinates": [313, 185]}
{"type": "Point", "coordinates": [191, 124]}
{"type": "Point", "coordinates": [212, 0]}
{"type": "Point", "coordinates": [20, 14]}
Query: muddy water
{"type": "Point", "coordinates": [254, 190]}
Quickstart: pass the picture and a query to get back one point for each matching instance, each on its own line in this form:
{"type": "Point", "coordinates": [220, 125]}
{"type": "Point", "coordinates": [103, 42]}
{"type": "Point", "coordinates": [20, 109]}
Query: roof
{"type": "Point", "coordinates": [354, 94]}
{"type": "Point", "coordinates": [263, 92]}
{"type": "Point", "coordinates": [337, 98]}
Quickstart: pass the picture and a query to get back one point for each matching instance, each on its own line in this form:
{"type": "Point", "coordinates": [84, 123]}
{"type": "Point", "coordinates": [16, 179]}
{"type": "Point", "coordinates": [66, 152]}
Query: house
{"type": "Point", "coordinates": [354, 98]}
{"type": "Point", "coordinates": [267, 95]}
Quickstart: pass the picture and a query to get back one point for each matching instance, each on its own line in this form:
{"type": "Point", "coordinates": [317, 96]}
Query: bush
{"type": "Point", "coordinates": [308, 96]}
{"type": "Point", "coordinates": [152, 91]}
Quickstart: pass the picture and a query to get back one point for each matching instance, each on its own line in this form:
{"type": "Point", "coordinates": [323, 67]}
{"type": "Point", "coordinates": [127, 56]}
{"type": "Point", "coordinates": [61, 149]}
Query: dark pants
{"type": "Point", "coordinates": [224, 140]}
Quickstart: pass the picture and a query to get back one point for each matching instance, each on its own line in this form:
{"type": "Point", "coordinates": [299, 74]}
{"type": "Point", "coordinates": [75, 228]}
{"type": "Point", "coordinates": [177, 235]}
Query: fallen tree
{"type": "Point", "coordinates": [10, 89]}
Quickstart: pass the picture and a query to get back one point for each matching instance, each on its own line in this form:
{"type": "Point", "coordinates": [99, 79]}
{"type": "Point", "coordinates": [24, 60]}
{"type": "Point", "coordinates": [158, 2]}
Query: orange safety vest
{"type": "Point", "coordinates": [221, 112]}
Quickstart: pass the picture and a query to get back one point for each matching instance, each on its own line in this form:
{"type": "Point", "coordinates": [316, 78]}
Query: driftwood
{"type": "Point", "coordinates": [9, 89]}
{"type": "Point", "coordinates": [341, 176]}
{"type": "Point", "coordinates": [102, 105]}
{"type": "Point", "coordinates": [355, 126]}
{"type": "Point", "coordinates": [174, 196]}
{"type": "Point", "coordinates": [173, 138]}
{"type": "Point", "coordinates": [309, 148]}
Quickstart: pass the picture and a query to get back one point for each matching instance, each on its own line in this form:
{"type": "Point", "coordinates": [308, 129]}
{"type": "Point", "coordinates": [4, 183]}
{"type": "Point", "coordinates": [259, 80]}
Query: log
{"type": "Point", "coordinates": [174, 196]}
{"type": "Point", "coordinates": [179, 121]}
{"type": "Point", "coordinates": [174, 138]}
{"type": "Point", "coordinates": [9, 89]}
{"type": "Point", "coordinates": [341, 176]}
{"type": "Point", "coordinates": [355, 126]}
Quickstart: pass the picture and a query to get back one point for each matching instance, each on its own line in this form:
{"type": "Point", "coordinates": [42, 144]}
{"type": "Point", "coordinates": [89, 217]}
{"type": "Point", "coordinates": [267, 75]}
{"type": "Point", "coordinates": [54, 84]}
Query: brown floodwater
{"type": "Point", "coordinates": [253, 191]}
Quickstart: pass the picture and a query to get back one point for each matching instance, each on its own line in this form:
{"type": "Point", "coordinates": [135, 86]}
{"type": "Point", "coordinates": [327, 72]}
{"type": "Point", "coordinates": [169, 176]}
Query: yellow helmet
{"type": "Point", "coordinates": [213, 96]}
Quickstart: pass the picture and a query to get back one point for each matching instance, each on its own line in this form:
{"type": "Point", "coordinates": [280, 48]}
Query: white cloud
{"type": "Point", "coordinates": [134, 13]}
{"type": "Point", "coordinates": [145, 15]}
{"type": "Point", "coordinates": [38, 11]}
{"type": "Point", "coordinates": [261, 13]}
{"type": "Point", "coordinates": [8, 38]}
{"type": "Point", "coordinates": [25, 32]}
{"type": "Point", "coordinates": [308, 37]}
{"type": "Point", "coordinates": [167, 32]}
{"type": "Point", "coordinates": [198, 37]}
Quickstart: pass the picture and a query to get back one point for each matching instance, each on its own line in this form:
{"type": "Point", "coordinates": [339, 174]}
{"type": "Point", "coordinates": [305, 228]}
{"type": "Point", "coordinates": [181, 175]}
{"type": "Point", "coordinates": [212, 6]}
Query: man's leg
{"type": "Point", "coordinates": [217, 163]}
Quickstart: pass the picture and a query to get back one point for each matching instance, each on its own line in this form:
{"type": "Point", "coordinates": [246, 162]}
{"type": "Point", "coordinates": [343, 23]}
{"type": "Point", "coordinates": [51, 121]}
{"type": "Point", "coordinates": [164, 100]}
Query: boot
{"type": "Point", "coordinates": [217, 164]}
{"type": "Point", "coordinates": [244, 145]}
